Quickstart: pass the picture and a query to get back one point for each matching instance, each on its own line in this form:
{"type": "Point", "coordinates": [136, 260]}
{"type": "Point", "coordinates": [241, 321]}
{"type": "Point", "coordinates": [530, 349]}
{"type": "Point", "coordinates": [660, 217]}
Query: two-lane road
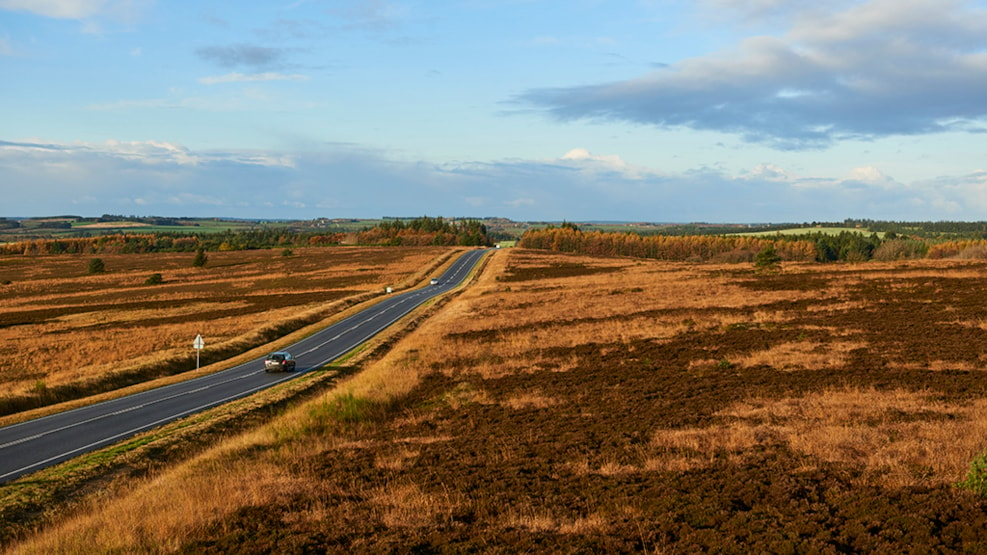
{"type": "Point", "coordinates": [36, 444]}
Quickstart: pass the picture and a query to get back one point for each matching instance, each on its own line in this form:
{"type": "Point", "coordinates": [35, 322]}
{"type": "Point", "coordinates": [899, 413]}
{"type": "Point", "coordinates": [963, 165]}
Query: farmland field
{"type": "Point", "coordinates": [67, 333]}
{"type": "Point", "coordinates": [809, 230]}
{"type": "Point", "coordinates": [567, 403]}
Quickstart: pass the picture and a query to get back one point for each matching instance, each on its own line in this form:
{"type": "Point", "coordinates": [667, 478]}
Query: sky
{"type": "Point", "coordinates": [746, 111]}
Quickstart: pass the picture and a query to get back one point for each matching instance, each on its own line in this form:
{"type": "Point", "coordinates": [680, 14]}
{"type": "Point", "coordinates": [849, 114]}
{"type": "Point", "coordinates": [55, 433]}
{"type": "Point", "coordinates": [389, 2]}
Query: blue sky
{"type": "Point", "coordinates": [649, 110]}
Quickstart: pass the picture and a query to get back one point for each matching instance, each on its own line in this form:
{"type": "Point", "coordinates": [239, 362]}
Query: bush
{"type": "Point", "coordinates": [155, 279]}
{"type": "Point", "coordinates": [96, 266]}
{"type": "Point", "coordinates": [976, 477]}
{"type": "Point", "coordinates": [200, 258]}
{"type": "Point", "coordinates": [767, 259]}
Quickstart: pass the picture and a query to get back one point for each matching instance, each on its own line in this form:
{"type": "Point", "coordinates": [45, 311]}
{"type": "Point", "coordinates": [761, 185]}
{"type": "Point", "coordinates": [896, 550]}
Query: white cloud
{"type": "Point", "coordinates": [872, 69]}
{"type": "Point", "coordinates": [163, 178]}
{"type": "Point", "coordinates": [121, 10]}
{"type": "Point", "coordinates": [871, 176]}
{"type": "Point", "coordinates": [59, 9]}
{"type": "Point", "coordinates": [236, 77]}
{"type": "Point", "coordinates": [147, 153]}
{"type": "Point", "coordinates": [585, 160]}
{"type": "Point", "coordinates": [771, 172]}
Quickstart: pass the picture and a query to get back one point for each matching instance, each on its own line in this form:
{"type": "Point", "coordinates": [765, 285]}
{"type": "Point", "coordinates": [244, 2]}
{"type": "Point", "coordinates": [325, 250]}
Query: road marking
{"type": "Point", "coordinates": [124, 410]}
{"type": "Point", "coordinates": [144, 427]}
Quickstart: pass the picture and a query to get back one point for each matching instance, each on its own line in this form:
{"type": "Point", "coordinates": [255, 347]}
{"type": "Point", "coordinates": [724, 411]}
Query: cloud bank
{"type": "Point", "coordinates": [870, 69]}
{"type": "Point", "coordinates": [167, 179]}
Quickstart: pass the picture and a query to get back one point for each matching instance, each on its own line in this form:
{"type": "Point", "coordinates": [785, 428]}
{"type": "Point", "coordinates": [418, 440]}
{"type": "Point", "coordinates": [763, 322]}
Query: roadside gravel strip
{"type": "Point", "coordinates": [30, 446]}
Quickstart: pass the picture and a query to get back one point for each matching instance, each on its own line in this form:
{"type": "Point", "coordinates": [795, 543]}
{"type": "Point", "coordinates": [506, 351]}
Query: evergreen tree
{"type": "Point", "coordinates": [767, 258]}
{"type": "Point", "coordinates": [200, 258]}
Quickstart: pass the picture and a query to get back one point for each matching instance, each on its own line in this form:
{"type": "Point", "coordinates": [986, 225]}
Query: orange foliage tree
{"type": "Point", "coordinates": [662, 247]}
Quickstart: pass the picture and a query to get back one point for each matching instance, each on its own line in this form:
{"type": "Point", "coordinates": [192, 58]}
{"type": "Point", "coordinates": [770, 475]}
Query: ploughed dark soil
{"type": "Point", "coordinates": [467, 473]}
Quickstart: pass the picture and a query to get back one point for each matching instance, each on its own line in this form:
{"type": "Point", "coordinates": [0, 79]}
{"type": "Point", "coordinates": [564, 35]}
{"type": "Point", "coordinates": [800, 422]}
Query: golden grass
{"type": "Point", "coordinates": [156, 513]}
{"type": "Point", "coordinates": [898, 437]}
{"type": "Point", "coordinates": [543, 520]}
{"type": "Point", "coordinates": [802, 355]}
{"type": "Point", "coordinates": [109, 323]}
{"type": "Point", "coordinates": [851, 426]}
{"type": "Point", "coordinates": [407, 505]}
{"type": "Point", "coordinates": [529, 400]}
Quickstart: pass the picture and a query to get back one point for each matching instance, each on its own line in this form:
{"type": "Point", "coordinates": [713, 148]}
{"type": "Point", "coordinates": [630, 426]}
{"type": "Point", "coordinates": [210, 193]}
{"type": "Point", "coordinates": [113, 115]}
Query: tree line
{"type": "Point", "coordinates": [736, 248]}
{"type": "Point", "coordinates": [849, 246]}
{"type": "Point", "coordinates": [171, 242]}
{"type": "Point", "coordinates": [418, 232]}
{"type": "Point", "coordinates": [426, 231]}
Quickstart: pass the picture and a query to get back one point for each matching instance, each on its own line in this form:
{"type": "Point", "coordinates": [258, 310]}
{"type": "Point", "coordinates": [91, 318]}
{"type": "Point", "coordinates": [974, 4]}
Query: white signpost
{"type": "Point", "coordinates": [198, 344]}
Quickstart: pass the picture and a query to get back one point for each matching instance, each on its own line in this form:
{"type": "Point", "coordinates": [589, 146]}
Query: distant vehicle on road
{"type": "Point", "coordinates": [279, 361]}
{"type": "Point", "coordinates": [435, 281]}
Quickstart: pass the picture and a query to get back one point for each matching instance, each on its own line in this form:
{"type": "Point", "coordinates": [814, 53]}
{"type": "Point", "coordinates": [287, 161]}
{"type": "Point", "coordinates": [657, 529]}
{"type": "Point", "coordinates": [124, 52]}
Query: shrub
{"type": "Point", "coordinates": [96, 266]}
{"type": "Point", "coordinates": [287, 252]}
{"type": "Point", "coordinates": [767, 258]}
{"type": "Point", "coordinates": [200, 258]}
{"type": "Point", "coordinates": [40, 388]}
{"type": "Point", "coordinates": [155, 279]}
{"type": "Point", "coordinates": [976, 477]}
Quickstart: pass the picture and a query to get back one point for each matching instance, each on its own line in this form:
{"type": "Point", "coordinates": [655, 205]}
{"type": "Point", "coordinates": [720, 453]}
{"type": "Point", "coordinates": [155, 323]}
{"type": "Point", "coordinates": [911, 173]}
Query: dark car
{"type": "Point", "coordinates": [280, 361]}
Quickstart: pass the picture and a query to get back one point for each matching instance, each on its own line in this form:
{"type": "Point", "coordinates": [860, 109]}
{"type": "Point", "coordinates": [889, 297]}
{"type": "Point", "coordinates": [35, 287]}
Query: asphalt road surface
{"type": "Point", "coordinates": [36, 444]}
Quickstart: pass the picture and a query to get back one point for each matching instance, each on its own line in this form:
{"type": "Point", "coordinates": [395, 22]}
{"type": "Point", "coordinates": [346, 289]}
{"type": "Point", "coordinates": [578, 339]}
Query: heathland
{"type": "Point", "coordinates": [69, 332]}
{"type": "Point", "coordinates": [575, 403]}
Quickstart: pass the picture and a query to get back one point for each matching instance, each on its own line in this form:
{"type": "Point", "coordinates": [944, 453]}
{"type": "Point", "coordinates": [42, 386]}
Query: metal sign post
{"type": "Point", "coordinates": [198, 344]}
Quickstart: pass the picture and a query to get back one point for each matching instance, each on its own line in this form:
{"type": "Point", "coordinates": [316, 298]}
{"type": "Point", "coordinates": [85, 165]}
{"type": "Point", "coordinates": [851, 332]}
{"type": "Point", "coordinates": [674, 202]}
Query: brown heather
{"type": "Point", "coordinates": [568, 403]}
{"type": "Point", "coordinates": [64, 330]}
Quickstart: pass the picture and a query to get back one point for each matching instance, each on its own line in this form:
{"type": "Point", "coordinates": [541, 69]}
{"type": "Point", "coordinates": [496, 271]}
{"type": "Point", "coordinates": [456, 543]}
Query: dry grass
{"type": "Point", "coordinates": [529, 400]}
{"type": "Point", "coordinates": [409, 506]}
{"type": "Point", "coordinates": [540, 520]}
{"type": "Point", "coordinates": [501, 331]}
{"type": "Point", "coordinates": [155, 514]}
{"type": "Point", "coordinates": [803, 355]}
{"type": "Point", "coordinates": [849, 426]}
{"type": "Point", "coordinates": [65, 327]}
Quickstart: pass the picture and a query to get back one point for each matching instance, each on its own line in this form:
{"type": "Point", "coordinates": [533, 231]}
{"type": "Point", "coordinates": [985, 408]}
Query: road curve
{"type": "Point", "coordinates": [30, 446]}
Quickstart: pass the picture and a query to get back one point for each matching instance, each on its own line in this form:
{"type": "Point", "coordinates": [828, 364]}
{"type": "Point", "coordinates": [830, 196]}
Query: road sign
{"type": "Point", "coordinates": [198, 344]}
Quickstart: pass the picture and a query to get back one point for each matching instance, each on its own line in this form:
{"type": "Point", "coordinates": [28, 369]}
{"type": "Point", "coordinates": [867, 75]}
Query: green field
{"type": "Point", "coordinates": [209, 225]}
{"type": "Point", "coordinates": [812, 230]}
{"type": "Point", "coordinates": [47, 228]}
